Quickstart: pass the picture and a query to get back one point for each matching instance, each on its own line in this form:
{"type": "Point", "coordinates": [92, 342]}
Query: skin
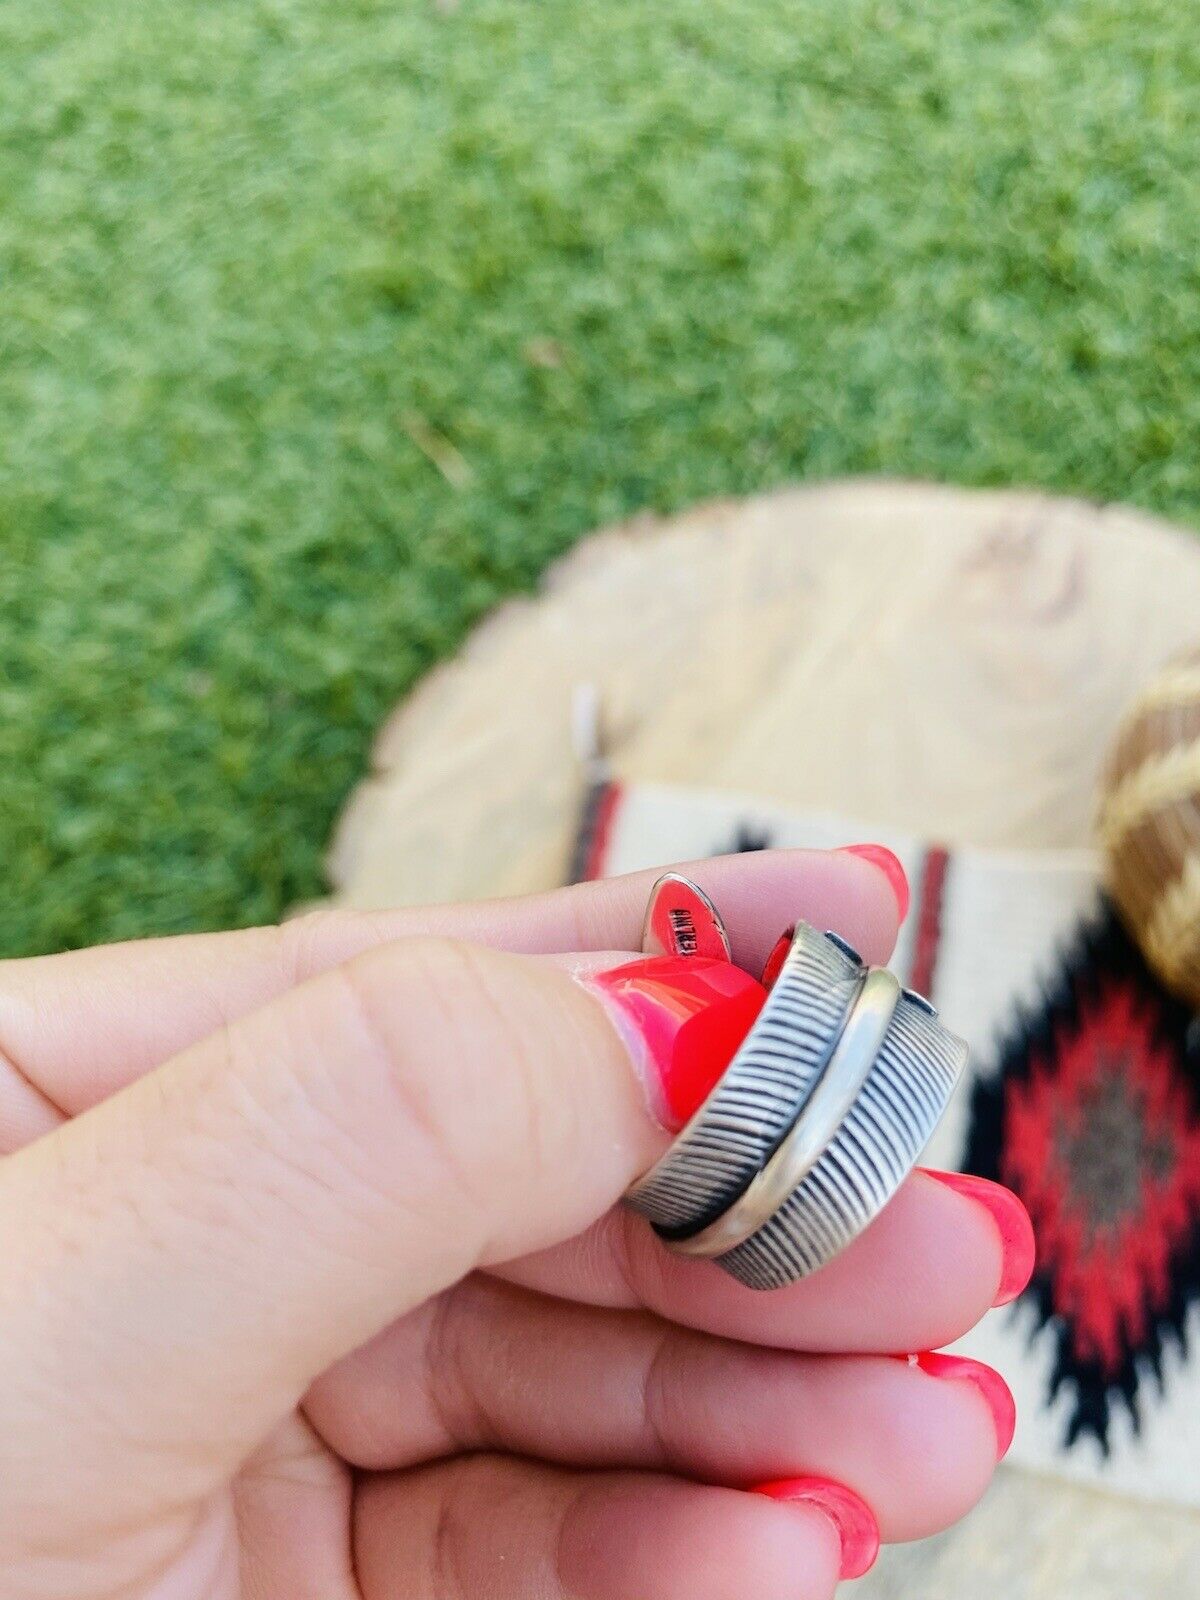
{"type": "Point", "coordinates": [313, 1284]}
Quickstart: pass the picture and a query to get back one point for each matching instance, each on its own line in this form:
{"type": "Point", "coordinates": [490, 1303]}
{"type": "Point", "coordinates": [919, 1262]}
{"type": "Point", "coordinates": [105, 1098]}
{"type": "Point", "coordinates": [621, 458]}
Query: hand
{"type": "Point", "coordinates": [311, 1285]}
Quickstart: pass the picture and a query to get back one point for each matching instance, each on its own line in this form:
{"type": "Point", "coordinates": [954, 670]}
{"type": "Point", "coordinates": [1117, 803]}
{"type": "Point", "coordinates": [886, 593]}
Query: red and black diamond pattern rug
{"type": "Point", "coordinates": [1083, 1096]}
{"type": "Point", "coordinates": [1092, 1114]}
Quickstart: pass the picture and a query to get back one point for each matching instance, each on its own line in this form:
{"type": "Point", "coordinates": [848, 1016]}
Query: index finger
{"type": "Point", "coordinates": [75, 1028]}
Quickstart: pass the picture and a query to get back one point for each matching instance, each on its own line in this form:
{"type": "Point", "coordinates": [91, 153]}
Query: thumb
{"type": "Point", "coordinates": [182, 1261]}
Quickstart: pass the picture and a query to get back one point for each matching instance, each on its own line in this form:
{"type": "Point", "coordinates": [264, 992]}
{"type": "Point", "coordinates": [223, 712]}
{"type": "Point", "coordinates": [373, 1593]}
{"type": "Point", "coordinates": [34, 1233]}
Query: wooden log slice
{"type": "Point", "coordinates": [951, 663]}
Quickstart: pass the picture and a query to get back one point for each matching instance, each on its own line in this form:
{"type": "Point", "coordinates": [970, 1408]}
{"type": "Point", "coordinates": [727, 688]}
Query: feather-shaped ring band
{"type": "Point", "coordinates": [817, 1120]}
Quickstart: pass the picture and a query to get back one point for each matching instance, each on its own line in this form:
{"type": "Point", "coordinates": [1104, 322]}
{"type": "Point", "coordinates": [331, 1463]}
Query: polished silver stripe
{"type": "Point", "coordinates": [875, 1147]}
{"type": "Point", "coordinates": [826, 1109]}
{"type": "Point", "coordinates": [720, 1150]}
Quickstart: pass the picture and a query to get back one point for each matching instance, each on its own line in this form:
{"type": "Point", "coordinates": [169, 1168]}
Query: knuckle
{"type": "Point", "coordinates": [306, 944]}
{"type": "Point", "coordinates": [412, 1080]}
{"type": "Point", "coordinates": [649, 1272]}
{"type": "Point", "coordinates": [449, 1369]}
{"type": "Point", "coordinates": [465, 1487]}
{"type": "Point", "coordinates": [443, 1047]}
{"type": "Point", "coordinates": [489, 1052]}
{"type": "Point", "coordinates": [661, 1396]}
{"type": "Point", "coordinates": [426, 1063]}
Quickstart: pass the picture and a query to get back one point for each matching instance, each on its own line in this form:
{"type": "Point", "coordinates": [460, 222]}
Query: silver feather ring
{"type": "Point", "coordinates": [817, 1120]}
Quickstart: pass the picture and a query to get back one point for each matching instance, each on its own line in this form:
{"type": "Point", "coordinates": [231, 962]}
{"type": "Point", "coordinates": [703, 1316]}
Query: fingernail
{"type": "Point", "coordinates": [778, 956]}
{"type": "Point", "coordinates": [889, 864]}
{"type": "Point", "coordinates": [986, 1379]}
{"type": "Point", "coordinates": [683, 1018]}
{"type": "Point", "coordinates": [853, 1518]}
{"type": "Point", "coordinates": [1012, 1222]}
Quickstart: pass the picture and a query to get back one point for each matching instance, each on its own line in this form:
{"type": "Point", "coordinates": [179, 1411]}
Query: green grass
{"type": "Point", "coordinates": [259, 262]}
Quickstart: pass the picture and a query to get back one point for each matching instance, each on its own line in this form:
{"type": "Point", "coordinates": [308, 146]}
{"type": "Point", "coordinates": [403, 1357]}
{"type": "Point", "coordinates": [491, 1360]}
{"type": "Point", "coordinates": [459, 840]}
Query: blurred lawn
{"type": "Point", "coordinates": [326, 323]}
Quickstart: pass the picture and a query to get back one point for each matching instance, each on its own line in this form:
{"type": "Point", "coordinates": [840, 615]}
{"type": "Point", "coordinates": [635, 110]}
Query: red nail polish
{"type": "Point", "coordinates": [986, 1379]}
{"type": "Point", "coordinates": [889, 864]}
{"type": "Point", "coordinates": [777, 957]}
{"type": "Point", "coordinates": [690, 1013]}
{"type": "Point", "coordinates": [1012, 1222]}
{"type": "Point", "coordinates": [852, 1517]}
